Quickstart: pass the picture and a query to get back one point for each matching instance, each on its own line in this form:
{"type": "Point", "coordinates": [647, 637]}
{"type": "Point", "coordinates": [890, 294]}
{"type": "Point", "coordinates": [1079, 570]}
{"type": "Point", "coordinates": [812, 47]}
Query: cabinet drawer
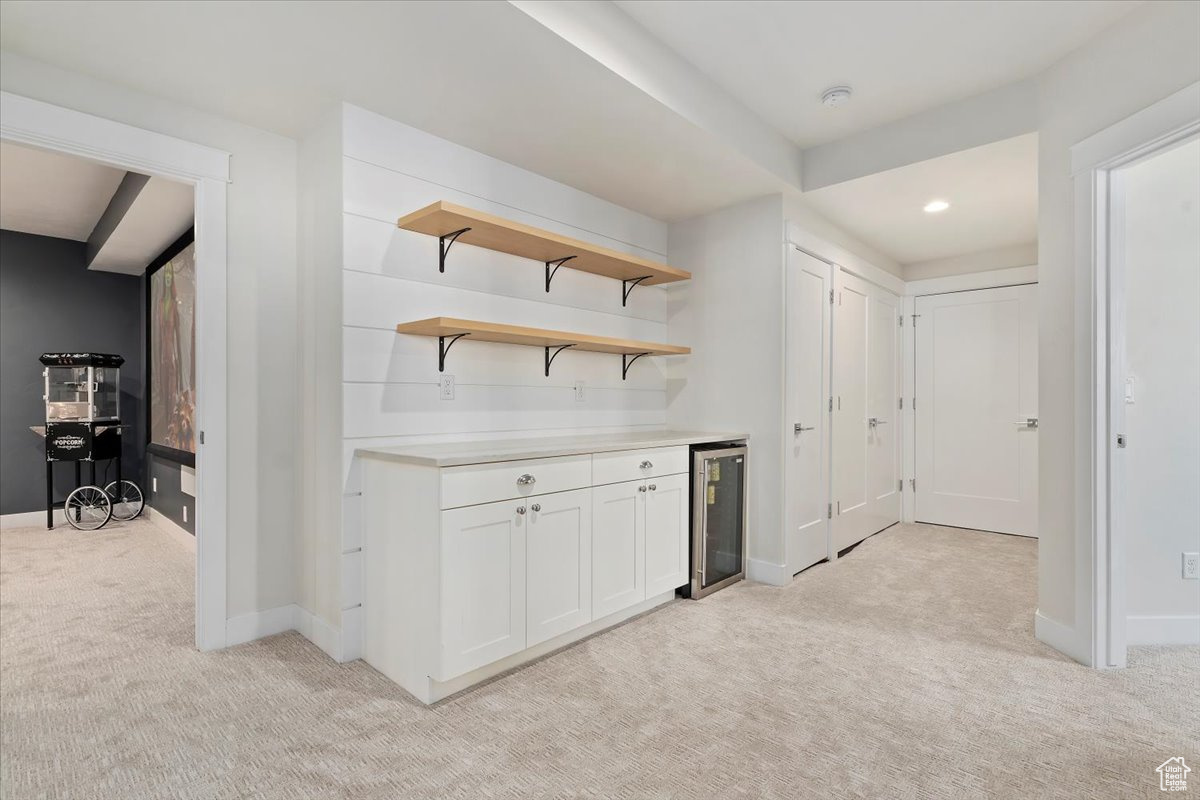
{"type": "Point", "coordinates": [626, 465]}
{"type": "Point", "coordinates": [487, 483]}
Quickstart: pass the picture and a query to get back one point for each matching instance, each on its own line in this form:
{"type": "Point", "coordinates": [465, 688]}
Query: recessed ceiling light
{"type": "Point", "coordinates": [936, 206]}
{"type": "Point", "coordinates": [836, 96]}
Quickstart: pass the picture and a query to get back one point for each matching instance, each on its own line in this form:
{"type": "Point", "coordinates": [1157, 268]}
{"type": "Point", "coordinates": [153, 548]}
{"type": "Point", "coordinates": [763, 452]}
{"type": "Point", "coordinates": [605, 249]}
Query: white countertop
{"type": "Point", "coordinates": [455, 454]}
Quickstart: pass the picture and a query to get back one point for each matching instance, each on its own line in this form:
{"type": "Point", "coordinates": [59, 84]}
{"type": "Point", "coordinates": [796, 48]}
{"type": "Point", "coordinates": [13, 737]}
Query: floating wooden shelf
{"type": "Point", "coordinates": [451, 223]}
{"type": "Point", "coordinates": [453, 329]}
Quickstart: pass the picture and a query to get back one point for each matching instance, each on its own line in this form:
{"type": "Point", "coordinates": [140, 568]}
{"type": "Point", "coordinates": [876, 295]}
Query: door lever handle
{"type": "Point", "coordinates": [875, 422]}
{"type": "Point", "coordinates": [798, 428]}
{"type": "Point", "coordinates": [1029, 422]}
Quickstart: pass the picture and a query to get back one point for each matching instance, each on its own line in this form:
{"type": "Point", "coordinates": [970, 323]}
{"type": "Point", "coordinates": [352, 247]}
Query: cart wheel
{"type": "Point", "coordinates": [88, 508]}
{"type": "Point", "coordinates": [128, 502]}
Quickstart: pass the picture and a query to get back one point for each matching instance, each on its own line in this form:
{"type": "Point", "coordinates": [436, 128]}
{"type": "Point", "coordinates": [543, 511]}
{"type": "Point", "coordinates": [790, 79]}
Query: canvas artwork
{"type": "Point", "coordinates": [173, 352]}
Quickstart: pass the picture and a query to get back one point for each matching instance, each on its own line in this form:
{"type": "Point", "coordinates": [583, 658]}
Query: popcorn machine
{"type": "Point", "coordinates": [83, 424]}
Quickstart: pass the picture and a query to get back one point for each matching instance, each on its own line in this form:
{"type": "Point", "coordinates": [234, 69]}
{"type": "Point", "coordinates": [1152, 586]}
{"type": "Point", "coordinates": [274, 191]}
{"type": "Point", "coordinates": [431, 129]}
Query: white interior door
{"type": "Point", "coordinates": [976, 409]}
{"type": "Point", "coordinates": [866, 389]}
{"type": "Point", "coordinates": [808, 323]}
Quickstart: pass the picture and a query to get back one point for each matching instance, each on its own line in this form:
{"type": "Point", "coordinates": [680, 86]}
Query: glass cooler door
{"type": "Point", "coordinates": [720, 514]}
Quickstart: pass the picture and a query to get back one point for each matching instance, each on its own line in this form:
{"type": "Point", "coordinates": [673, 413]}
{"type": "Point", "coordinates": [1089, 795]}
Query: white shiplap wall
{"type": "Point", "coordinates": [390, 381]}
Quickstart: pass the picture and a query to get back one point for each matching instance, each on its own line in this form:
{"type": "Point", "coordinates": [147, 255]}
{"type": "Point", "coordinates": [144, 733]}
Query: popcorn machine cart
{"type": "Point", "coordinates": [83, 423]}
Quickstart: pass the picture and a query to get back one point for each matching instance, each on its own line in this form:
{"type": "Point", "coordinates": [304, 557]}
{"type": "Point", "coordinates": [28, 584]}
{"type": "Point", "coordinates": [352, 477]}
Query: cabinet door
{"type": "Point", "coordinates": [482, 585]}
{"type": "Point", "coordinates": [559, 594]}
{"type": "Point", "coordinates": [618, 547]}
{"type": "Point", "coordinates": [666, 533]}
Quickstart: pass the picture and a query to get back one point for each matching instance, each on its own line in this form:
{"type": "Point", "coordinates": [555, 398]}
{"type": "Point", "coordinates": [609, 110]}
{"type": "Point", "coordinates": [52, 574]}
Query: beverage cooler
{"type": "Point", "coordinates": [718, 517]}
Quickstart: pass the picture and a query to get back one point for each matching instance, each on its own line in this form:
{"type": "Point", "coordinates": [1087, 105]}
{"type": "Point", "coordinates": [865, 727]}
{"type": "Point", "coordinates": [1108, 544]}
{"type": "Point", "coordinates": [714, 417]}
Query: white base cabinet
{"type": "Point", "coordinates": [454, 594]}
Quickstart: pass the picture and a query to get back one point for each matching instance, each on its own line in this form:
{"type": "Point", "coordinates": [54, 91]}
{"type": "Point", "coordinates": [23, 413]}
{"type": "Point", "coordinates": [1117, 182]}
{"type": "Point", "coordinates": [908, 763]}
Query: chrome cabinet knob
{"type": "Point", "coordinates": [646, 465]}
{"type": "Point", "coordinates": [521, 510]}
{"type": "Point", "coordinates": [641, 488]}
{"type": "Point", "coordinates": [526, 480]}
{"type": "Point", "coordinates": [536, 506]}
{"type": "Point", "coordinates": [653, 487]}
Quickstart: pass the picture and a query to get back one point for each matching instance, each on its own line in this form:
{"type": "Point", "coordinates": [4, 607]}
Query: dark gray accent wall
{"type": "Point", "coordinates": [50, 301]}
{"type": "Point", "coordinates": [164, 493]}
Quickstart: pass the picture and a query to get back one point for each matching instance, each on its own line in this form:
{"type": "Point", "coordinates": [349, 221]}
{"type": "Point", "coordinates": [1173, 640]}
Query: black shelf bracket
{"type": "Point", "coordinates": [627, 287]}
{"type": "Point", "coordinates": [627, 362]}
{"type": "Point", "coordinates": [444, 243]}
{"type": "Point", "coordinates": [444, 348]}
{"type": "Point", "coordinates": [550, 358]}
{"type": "Point", "coordinates": [556, 264]}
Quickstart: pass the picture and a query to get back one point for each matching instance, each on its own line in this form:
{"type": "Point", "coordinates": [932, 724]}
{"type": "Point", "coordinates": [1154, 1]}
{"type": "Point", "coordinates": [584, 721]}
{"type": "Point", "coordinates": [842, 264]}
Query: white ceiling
{"type": "Point", "coordinates": [488, 76]}
{"type": "Point", "coordinates": [900, 58]}
{"type": "Point", "coordinates": [992, 191]}
{"type": "Point", "coordinates": [50, 194]}
{"type": "Point", "coordinates": [161, 213]}
{"type": "Point", "coordinates": [481, 74]}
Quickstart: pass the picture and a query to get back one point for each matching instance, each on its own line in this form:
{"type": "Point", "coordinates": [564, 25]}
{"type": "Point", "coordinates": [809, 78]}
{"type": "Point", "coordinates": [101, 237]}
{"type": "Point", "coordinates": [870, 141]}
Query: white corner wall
{"type": "Point", "coordinates": [261, 314]}
{"type": "Point", "coordinates": [388, 383]}
{"type": "Point", "coordinates": [1151, 53]}
{"type": "Point", "coordinates": [1162, 357]}
{"type": "Point", "coordinates": [731, 313]}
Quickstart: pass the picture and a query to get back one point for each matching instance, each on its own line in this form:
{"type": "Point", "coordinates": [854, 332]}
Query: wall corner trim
{"type": "Point", "coordinates": [260, 624]}
{"type": "Point", "coordinates": [1062, 638]}
{"type": "Point", "coordinates": [768, 573]}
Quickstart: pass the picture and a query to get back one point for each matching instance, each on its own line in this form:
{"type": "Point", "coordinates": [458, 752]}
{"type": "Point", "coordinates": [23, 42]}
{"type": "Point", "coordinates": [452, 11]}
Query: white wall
{"type": "Point", "coordinates": [731, 313]}
{"type": "Point", "coordinates": [1150, 54]}
{"type": "Point", "coordinates": [1162, 351]}
{"type": "Point", "coordinates": [1021, 255]}
{"type": "Point", "coordinates": [802, 217]}
{"type": "Point", "coordinates": [389, 382]}
{"type": "Point", "coordinates": [263, 422]}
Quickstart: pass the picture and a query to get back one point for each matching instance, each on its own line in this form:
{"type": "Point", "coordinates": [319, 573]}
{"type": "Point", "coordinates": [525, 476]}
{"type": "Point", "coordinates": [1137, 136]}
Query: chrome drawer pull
{"type": "Point", "coordinates": [646, 465]}
{"type": "Point", "coordinates": [526, 480]}
{"type": "Point", "coordinates": [536, 506]}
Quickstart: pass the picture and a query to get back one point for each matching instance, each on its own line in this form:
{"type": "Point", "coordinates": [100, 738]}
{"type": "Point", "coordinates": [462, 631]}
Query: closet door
{"type": "Point", "coordinates": [866, 430]}
{"type": "Point", "coordinates": [809, 283]}
{"type": "Point", "coordinates": [977, 435]}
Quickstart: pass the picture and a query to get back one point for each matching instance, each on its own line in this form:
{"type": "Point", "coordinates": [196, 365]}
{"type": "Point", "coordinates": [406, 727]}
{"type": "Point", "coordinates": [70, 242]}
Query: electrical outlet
{"type": "Point", "coordinates": [446, 387]}
{"type": "Point", "coordinates": [185, 513]}
{"type": "Point", "coordinates": [154, 485]}
{"type": "Point", "coordinates": [1191, 566]}
{"type": "Point", "coordinates": [579, 398]}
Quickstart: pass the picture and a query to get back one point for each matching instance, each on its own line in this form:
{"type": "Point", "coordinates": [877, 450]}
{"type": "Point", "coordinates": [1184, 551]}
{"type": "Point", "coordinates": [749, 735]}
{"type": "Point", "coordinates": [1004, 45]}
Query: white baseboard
{"type": "Point", "coordinates": [766, 572]}
{"type": "Point", "coordinates": [29, 519]}
{"type": "Point", "coordinates": [248, 627]}
{"type": "Point", "coordinates": [1159, 630]}
{"type": "Point", "coordinates": [1062, 638]}
{"type": "Point", "coordinates": [320, 633]}
{"type": "Point", "coordinates": [171, 529]}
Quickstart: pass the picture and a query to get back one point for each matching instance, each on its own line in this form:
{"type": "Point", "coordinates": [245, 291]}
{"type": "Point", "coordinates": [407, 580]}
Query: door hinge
{"type": "Point", "coordinates": [914, 404]}
{"type": "Point", "coordinates": [900, 485]}
{"type": "Point", "coordinates": [901, 320]}
{"type": "Point", "coordinates": [831, 404]}
{"type": "Point", "coordinates": [901, 403]}
{"type": "Point", "coordinates": [830, 511]}
{"type": "Point", "coordinates": [914, 316]}
{"type": "Point", "coordinates": [912, 484]}
{"type": "Point", "coordinates": [201, 437]}
{"type": "Point", "coordinates": [831, 297]}
{"type": "Point", "coordinates": [1121, 441]}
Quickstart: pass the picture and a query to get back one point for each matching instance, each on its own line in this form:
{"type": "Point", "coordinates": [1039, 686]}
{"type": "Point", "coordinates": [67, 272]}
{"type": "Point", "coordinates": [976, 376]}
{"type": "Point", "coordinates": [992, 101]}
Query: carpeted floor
{"type": "Point", "coordinates": [906, 670]}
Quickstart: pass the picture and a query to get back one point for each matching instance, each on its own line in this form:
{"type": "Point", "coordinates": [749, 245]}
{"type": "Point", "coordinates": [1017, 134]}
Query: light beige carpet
{"type": "Point", "coordinates": [906, 670]}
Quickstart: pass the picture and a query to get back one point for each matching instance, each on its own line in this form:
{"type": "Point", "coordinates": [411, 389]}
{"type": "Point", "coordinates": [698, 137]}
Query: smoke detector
{"type": "Point", "coordinates": [838, 95]}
